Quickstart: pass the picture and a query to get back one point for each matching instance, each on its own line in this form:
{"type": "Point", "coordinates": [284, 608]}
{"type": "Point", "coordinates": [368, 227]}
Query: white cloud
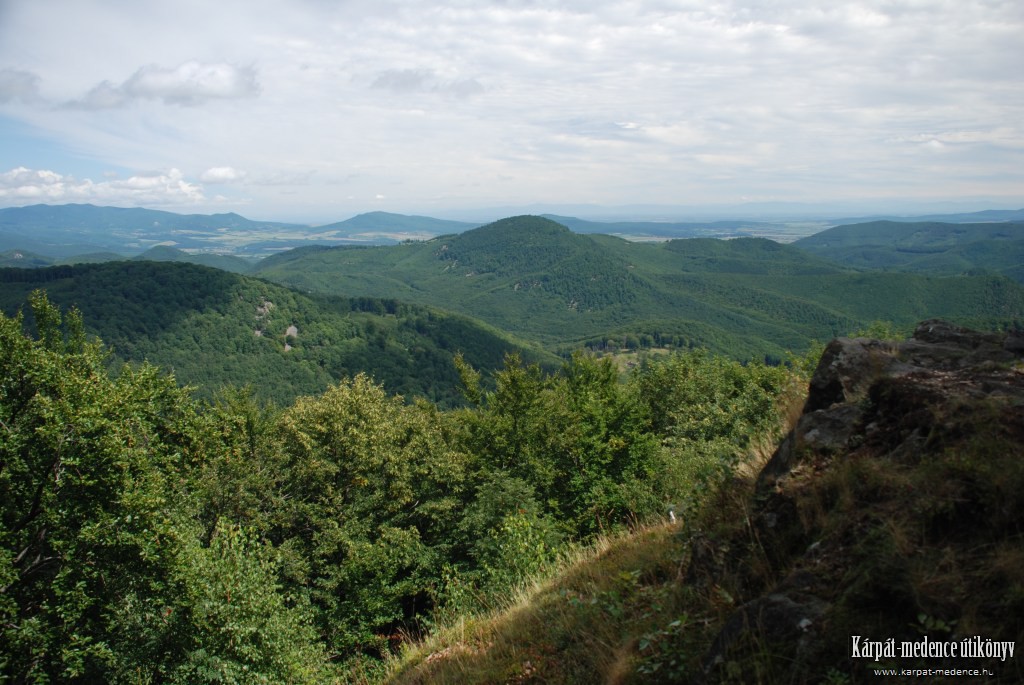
{"type": "Point", "coordinates": [626, 101]}
{"type": "Point", "coordinates": [193, 82]}
{"type": "Point", "coordinates": [42, 185]}
{"type": "Point", "coordinates": [1004, 137]}
{"type": "Point", "coordinates": [221, 174]}
{"type": "Point", "coordinates": [284, 178]}
{"type": "Point", "coordinates": [462, 88]}
{"type": "Point", "coordinates": [26, 183]}
{"type": "Point", "coordinates": [403, 80]}
{"type": "Point", "coordinates": [104, 95]}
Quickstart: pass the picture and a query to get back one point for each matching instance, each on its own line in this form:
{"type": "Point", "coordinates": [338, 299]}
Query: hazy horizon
{"type": "Point", "coordinates": [767, 212]}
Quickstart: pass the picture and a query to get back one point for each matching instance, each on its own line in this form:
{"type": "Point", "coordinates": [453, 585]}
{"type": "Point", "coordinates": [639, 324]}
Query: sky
{"type": "Point", "coordinates": [316, 110]}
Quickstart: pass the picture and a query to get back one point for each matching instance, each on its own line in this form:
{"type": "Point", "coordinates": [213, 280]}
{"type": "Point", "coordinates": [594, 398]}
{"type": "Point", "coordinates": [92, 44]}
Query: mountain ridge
{"type": "Point", "coordinates": [985, 215]}
{"type": "Point", "coordinates": [391, 222]}
{"type": "Point", "coordinates": [536, 278]}
{"type": "Point", "coordinates": [213, 328]}
{"type": "Point", "coordinates": [927, 247]}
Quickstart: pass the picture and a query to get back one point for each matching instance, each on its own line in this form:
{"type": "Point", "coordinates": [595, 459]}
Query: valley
{"type": "Point", "coordinates": [509, 343]}
{"type": "Point", "coordinates": [527, 284]}
{"type": "Point", "coordinates": [453, 459]}
{"type": "Point", "coordinates": [82, 232]}
{"type": "Point", "coordinates": [747, 297]}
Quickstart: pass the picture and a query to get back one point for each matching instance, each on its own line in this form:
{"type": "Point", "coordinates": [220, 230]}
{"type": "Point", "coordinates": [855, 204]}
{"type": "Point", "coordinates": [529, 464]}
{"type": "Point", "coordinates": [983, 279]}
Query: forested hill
{"type": "Point", "coordinates": [211, 327]}
{"type": "Point", "coordinates": [747, 297]}
{"type": "Point", "coordinates": [932, 247]}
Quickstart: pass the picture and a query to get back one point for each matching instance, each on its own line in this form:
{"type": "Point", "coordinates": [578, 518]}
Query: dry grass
{"type": "Point", "coordinates": [577, 624]}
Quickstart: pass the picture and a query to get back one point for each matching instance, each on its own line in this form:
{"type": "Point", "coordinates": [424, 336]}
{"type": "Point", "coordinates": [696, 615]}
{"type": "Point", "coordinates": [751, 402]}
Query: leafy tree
{"type": "Point", "coordinates": [86, 516]}
{"type": "Point", "coordinates": [237, 624]}
{"type": "Point", "coordinates": [373, 498]}
{"type": "Point", "coordinates": [242, 480]}
{"type": "Point", "coordinates": [707, 410]}
{"type": "Point", "coordinates": [572, 437]}
{"type": "Point", "coordinates": [106, 571]}
{"type": "Point", "coordinates": [700, 397]}
{"type": "Point", "coordinates": [506, 531]}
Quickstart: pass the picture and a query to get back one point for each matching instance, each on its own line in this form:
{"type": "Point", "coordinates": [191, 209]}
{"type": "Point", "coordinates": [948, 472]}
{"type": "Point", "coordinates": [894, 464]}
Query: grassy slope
{"type": "Point", "coordinates": [579, 624]}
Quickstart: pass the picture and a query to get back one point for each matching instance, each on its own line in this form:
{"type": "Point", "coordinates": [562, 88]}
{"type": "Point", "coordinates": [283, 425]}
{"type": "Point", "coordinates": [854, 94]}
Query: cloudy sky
{"type": "Point", "coordinates": [315, 110]}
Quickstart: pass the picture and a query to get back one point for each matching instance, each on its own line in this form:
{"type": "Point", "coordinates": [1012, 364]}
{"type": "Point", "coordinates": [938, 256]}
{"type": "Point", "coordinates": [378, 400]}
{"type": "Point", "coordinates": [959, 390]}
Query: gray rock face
{"type": "Point", "coordinates": [895, 407]}
{"type": "Point", "coordinates": [939, 358]}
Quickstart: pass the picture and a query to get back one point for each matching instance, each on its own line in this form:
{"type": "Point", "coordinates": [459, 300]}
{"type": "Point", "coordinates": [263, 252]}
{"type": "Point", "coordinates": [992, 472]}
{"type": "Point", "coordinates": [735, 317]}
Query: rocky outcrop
{"type": "Point", "coordinates": [893, 509]}
{"type": "Point", "coordinates": [941, 361]}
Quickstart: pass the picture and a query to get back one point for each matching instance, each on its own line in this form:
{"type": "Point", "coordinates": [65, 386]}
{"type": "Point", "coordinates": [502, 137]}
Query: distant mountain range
{"type": "Point", "coordinates": [394, 227]}
{"type": "Point", "coordinates": [664, 229]}
{"type": "Point", "coordinates": [62, 232]}
{"type": "Point", "coordinates": [985, 216]}
{"type": "Point", "coordinates": [80, 233]}
{"type": "Point", "coordinates": [526, 284]}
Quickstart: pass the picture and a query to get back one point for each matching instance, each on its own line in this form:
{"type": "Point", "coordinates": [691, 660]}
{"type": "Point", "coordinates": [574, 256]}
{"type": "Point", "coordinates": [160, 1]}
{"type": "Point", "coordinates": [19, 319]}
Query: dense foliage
{"type": "Point", "coordinates": [148, 537]}
{"type": "Point", "coordinates": [214, 328]}
{"type": "Point", "coordinates": [105, 573]}
{"type": "Point", "coordinates": [748, 298]}
{"type": "Point", "coordinates": [925, 247]}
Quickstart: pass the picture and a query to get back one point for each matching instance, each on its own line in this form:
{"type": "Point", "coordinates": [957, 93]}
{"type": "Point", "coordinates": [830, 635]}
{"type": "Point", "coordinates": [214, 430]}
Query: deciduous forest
{"type": "Point", "coordinates": [152, 537]}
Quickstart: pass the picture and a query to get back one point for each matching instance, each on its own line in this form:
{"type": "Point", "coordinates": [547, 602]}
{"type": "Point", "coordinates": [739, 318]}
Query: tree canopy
{"type": "Point", "coordinates": [147, 536]}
